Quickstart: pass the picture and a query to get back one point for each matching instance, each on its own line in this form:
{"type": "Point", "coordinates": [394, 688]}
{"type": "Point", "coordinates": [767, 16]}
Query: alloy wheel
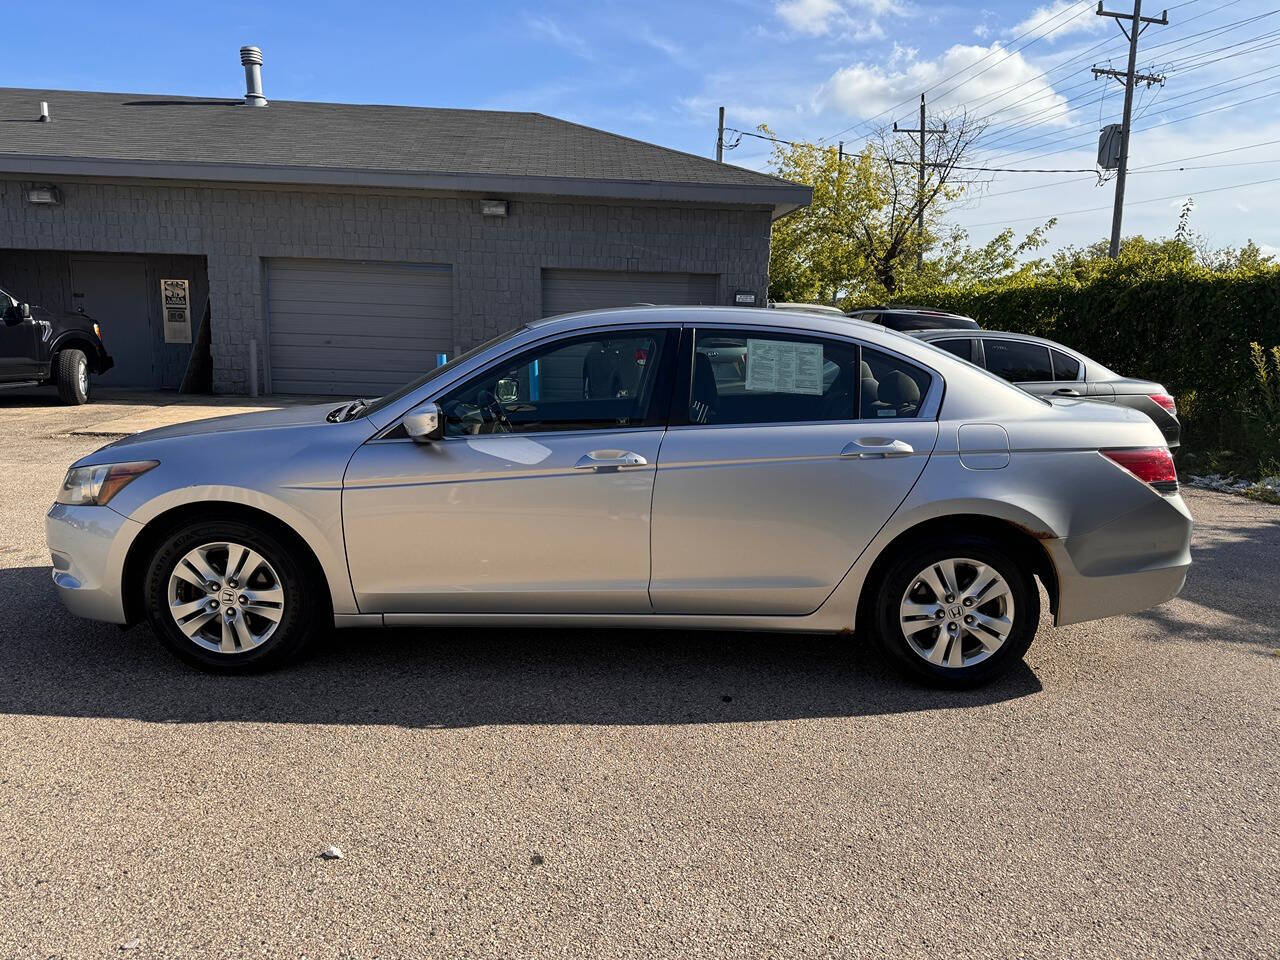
{"type": "Point", "coordinates": [956, 612]}
{"type": "Point", "coordinates": [225, 597]}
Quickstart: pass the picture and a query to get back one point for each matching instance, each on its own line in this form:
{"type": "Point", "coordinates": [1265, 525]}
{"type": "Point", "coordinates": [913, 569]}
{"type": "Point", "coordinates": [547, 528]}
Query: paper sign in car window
{"type": "Point", "coordinates": [781, 366]}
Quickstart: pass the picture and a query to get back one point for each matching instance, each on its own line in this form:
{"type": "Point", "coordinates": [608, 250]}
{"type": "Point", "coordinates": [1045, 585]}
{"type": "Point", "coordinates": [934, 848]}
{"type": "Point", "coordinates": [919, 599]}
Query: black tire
{"type": "Point", "coordinates": [305, 600]}
{"type": "Point", "coordinates": [904, 570]}
{"type": "Point", "coordinates": [71, 371]}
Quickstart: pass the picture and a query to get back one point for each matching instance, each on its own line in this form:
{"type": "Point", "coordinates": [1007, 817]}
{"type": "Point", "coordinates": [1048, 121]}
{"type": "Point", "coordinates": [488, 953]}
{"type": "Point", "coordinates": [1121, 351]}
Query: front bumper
{"type": "Point", "coordinates": [1135, 562]}
{"type": "Point", "coordinates": [88, 546]}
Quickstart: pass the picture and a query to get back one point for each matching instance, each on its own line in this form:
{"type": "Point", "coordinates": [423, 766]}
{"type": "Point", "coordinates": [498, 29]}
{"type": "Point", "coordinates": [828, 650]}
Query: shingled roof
{"type": "Point", "coordinates": [487, 151]}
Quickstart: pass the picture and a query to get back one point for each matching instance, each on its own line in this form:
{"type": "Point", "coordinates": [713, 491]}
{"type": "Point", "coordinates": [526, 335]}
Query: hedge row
{"type": "Point", "coordinates": [1187, 328]}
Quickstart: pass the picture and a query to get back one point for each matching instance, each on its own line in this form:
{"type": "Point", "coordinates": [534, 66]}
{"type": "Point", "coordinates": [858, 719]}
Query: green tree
{"type": "Point", "coordinates": [812, 257]}
{"type": "Point", "coordinates": [859, 238]}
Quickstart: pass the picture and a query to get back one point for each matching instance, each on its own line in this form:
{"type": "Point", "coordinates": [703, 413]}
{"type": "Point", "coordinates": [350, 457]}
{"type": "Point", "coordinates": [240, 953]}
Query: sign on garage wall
{"type": "Point", "coordinates": [176, 296]}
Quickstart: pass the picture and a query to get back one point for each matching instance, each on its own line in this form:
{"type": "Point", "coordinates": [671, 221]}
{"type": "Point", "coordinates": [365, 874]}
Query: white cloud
{"type": "Point", "coordinates": [552, 31]}
{"type": "Point", "coordinates": [662, 44]}
{"type": "Point", "coordinates": [813, 17]}
{"type": "Point", "coordinates": [864, 90]}
{"type": "Point", "coordinates": [850, 18]}
{"type": "Point", "coordinates": [1059, 19]}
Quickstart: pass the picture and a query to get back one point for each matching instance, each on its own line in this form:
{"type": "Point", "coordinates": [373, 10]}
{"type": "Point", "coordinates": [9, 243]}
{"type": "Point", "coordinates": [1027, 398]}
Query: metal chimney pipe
{"type": "Point", "coordinates": [251, 57]}
{"type": "Point", "coordinates": [44, 111]}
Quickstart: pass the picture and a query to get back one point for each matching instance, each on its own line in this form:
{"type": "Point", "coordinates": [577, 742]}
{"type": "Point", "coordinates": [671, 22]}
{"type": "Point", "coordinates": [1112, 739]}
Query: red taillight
{"type": "Point", "coordinates": [1153, 465]}
{"type": "Point", "coordinates": [1165, 401]}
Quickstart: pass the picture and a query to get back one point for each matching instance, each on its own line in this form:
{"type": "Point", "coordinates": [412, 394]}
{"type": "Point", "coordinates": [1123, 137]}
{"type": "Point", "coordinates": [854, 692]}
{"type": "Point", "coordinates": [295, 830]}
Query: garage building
{"type": "Point", "coordinates": [348, 247]}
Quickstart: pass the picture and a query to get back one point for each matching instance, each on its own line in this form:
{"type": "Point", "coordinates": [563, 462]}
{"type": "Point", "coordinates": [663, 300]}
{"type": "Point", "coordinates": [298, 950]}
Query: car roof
{"type": "Point", "coordinates": [936, 311]}
{"type": "Point", "coordinates": [1001, 334]}
{"type": "Point", "coordinates": [1096, 370]}
{"type": "Point", "coordinates": [801, 320]}
{"type": "Point", "coordinates": [811, 307]}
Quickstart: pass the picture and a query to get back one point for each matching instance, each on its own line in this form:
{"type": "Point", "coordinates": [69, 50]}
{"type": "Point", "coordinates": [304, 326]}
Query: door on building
{"type": "Point", "coordinates": [355, 328]}
{"type": "Point", "coordinates": [113, 291]}
{"type": "Point", "coordinates": [566, 291]}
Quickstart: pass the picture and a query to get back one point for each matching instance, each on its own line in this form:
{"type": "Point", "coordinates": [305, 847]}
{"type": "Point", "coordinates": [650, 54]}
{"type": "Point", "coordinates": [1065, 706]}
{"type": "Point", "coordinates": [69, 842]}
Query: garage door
{"type": "Point", "coordinates": [564, 291]}
{"type": "Point", "coordinates": [356, 329]}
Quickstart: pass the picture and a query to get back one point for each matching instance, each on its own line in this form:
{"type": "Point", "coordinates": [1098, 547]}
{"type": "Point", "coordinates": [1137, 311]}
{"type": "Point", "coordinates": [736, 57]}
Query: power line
{"type": "Point", "coordinates": [992, 52]}
{"type": "Point", "coordinates": [1135, 203]}
{"type": "Point", "coordinates": [1168, 102]}
{"type": "Point", "coordinates": [908, 163]}
{"type": "Point", "coordinates": [1152, 126]}
{"type": "Point", "coordinates": [1150, 168]}
{"type": "Point", "coordinates": [1013, 127]}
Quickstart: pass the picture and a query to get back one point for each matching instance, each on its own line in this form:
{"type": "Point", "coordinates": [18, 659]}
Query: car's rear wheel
{"type": "Point", "coordinates": [957, 613]}
{"type": "Point", "coordinates": [229, 597]}
{"type": "Point", "coordinates": [72, 375]}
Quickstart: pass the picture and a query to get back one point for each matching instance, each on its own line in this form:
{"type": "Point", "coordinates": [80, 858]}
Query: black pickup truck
{"type": "Point", "coordinates": [38, 347]}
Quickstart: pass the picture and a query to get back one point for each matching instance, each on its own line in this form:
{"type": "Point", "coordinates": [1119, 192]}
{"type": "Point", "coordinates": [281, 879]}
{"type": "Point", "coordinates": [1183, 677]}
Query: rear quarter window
{"type": "Point", "coordinates": [890, 387]}
{"type": "Point", "coordinates": [1066, 367]}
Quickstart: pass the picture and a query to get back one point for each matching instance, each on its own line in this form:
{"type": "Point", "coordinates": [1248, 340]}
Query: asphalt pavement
{"type": "Point", "coordinates": [605, 794]}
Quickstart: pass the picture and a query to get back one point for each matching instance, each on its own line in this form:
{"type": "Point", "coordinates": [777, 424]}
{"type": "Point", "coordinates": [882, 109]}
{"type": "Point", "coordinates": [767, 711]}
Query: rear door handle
{"type": "Point", "coordinates": [876, 448]}
{"type": "Point", "coordinates": [1066, 392]}
{"type": "Point", "coordinates": [609, 460]}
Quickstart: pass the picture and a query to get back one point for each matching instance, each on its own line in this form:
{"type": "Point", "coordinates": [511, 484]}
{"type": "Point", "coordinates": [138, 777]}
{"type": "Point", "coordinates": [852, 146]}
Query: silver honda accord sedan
{"type": "Point", "coordinates": [733, 469]}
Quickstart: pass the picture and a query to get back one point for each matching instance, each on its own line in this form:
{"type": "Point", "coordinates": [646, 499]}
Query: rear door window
{"type": "Point", "coordinates": [1018, 361]}
{"type": "Point", "coordinates": [742, 376]}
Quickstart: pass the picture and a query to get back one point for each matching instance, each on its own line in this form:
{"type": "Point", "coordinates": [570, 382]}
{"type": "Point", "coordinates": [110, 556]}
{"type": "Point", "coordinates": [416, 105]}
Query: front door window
{"type": "Point", "coordinates": [602, 381]}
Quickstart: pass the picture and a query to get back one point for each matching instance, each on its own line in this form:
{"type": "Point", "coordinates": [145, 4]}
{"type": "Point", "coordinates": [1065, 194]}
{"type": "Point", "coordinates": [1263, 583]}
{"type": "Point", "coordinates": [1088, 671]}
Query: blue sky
{"type": "Point", "coordinates": [811, 69]}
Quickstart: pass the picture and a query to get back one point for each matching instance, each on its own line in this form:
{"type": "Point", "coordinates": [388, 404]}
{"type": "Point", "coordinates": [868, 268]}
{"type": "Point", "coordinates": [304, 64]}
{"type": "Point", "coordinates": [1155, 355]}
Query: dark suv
{"type": "Point", "coordinates": [914, 318]}
{"type": "Point", "coordinates": [39, 347]}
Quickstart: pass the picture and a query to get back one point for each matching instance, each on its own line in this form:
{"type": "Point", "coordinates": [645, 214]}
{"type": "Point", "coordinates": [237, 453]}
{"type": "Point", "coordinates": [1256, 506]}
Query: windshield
{"type": "Point", "coordinates": [444, 368]}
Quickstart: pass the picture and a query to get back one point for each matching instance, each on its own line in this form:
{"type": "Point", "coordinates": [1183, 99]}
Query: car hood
{"type": "Point", "coordinates": [284, 417]}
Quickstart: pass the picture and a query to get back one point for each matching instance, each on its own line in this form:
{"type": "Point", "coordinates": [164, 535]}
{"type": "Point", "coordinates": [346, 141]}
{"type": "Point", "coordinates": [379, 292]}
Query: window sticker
{"type": "Point", "coordinates": [782, 366]}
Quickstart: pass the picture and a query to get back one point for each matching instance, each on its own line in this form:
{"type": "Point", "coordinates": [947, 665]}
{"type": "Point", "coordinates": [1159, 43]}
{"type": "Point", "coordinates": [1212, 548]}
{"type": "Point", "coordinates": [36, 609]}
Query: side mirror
{"type": "Point", "coordinates": [425, 423]}
{"type": "Point", "coordinates": [15, 314]}
{"type": "Point", "coordinates": [24, 311]}
{"type": "Point", "coordinates": [508, 390]}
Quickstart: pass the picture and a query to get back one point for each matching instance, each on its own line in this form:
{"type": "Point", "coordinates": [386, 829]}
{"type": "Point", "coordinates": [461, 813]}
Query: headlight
{"type": "Point", "coordinates": [95, 486]}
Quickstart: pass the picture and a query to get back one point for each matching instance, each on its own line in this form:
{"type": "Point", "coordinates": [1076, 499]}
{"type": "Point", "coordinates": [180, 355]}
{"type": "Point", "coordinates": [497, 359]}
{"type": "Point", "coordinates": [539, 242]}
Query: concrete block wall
{"type": "Point", "coordinates": [496, 262]}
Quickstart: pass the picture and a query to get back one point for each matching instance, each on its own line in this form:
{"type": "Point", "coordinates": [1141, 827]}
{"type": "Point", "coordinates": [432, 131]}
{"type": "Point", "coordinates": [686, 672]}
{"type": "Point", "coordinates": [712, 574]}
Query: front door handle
{"type": "Point", "coordinates": [609, 460]}
{"type": "Point", "coordinates": [876, 448]}
{"type": "Point", "coordinates": [1066, 392]}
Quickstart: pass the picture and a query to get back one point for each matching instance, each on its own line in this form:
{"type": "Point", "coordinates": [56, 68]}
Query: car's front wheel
{"type": "Point", "coordinates": [958, 612]}
{"type": "Point", "coordinates": [71, 370]}
{"type": "Point", "coordinates": [229, 597]}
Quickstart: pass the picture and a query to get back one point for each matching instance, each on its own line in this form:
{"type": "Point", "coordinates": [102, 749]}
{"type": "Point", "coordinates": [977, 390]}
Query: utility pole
{"type": "Point", "coordinates": [839, 201]}
{"type": "Point", "coordinates": [720, 138]}
{"type": "Point", "coordinates": [923, 132]}
{"type": "Point", "coordinates": [840, 174]}
{"type": "Point", "coordinates": [1137, 24]}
